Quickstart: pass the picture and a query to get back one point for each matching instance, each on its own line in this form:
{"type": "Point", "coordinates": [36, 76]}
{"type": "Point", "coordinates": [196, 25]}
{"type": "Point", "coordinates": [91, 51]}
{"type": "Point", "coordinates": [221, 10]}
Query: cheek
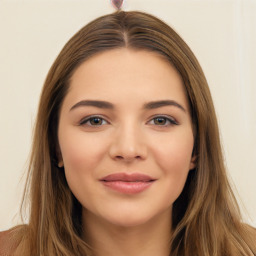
{"type": "Point", "coordinates": [81, 154]}
{"type": "Point", "coordinates": [175, 152]}
{"type": "Point", "coordinates": [174, 158]}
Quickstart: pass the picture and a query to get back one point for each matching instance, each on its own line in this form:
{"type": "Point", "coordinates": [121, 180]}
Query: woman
{"type": "Point", "coordinates": [126, 156]}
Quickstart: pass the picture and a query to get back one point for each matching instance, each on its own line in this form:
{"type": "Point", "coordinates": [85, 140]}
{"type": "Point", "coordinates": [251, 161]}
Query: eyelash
{"type": "Point", "coordinates": [171, 121]}
{"type": "Point", "coordinates": [90, 118]}
{"type": "Point", "coordinates": [168, 121]}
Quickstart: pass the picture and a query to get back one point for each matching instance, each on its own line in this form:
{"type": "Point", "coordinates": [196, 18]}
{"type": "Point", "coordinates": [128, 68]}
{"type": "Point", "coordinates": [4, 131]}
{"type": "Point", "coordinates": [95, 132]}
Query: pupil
{"type": "Point", "coordinates": [160, 120]}
{"type": "Point", "coordinates": [96, 121]}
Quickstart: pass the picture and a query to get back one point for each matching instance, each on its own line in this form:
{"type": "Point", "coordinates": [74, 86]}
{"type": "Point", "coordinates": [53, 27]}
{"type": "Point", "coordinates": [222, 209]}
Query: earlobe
{"type": "Point", "coordinates": [193, 163]}
{"type": "Point", "coordinates": [59, 157]}
{"type": "Point", "coordinates": [60, 164]}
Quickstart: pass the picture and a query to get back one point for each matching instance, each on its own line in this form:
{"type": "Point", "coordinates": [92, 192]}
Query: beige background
{"type": "Point", "coordinates": [221, 33]}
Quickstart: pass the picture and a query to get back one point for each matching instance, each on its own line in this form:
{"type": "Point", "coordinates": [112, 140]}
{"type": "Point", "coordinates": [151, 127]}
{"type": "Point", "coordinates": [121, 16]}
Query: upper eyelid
{"type": "Point", "coordinates": [164, 116]}
{"type": "Point", "coordinates": [87, 118]}
{"type": "Point", "coordinates": [168, 117]}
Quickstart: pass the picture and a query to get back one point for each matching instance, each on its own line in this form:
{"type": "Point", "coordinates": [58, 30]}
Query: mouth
{"type": "Point", "coordinates": [128, 183]}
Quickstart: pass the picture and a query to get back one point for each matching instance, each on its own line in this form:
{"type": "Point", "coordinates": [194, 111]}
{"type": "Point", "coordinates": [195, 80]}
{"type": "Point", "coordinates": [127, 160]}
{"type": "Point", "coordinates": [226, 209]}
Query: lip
{"type": "Point", "coordinates": [133, 183]}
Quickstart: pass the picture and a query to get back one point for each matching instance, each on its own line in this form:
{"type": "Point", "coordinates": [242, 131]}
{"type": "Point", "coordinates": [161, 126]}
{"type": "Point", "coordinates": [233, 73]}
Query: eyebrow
{"type": "Point", "coordinates": [108, 105]}
{"type": "Point", "coordinates": [163, 103]}
{"type": "Point", "coordinates": [93, 103]}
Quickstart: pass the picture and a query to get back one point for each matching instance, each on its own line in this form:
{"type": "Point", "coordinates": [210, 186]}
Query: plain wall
{"type": "Point", "coordinates": [222, 34]}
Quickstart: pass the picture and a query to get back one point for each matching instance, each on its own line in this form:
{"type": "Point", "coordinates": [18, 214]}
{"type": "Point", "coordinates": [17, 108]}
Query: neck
{"type": "Point", "coordinates": [106, 239]}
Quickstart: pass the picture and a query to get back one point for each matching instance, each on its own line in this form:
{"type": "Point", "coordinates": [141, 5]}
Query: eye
{"type": "Point", "coordinates": [162, 121]}
{"type": "Point", "coordinates": [93, 121]}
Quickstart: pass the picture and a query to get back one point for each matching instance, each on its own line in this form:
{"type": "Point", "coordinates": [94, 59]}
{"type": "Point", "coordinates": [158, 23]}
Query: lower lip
{"type": "Point", "coordinates": [128, 187]}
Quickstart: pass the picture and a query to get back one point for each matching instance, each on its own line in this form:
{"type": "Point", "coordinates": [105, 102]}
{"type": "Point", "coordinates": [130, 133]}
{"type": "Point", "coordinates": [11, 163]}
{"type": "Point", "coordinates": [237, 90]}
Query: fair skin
{"type": "Point", "coordinates": [126, 113]}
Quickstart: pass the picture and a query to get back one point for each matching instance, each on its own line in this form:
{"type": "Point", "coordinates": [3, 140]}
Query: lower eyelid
{"type": "Point", "coordinates": [168, 119]}
{"type": "Point", "coordinates": [87, 119]}
{"type": "Point", "coordinates": [171, 121]}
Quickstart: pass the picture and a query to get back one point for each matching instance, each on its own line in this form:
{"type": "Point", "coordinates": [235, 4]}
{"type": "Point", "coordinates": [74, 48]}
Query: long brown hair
{"type": "Point", "coordinates": [206, 218]}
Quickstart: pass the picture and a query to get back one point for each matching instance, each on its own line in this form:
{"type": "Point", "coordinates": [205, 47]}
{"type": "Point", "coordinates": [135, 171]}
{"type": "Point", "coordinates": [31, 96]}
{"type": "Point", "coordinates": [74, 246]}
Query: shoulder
{"type": "Point", "coordinates": [5, 243]}
{"type": "Point", "coordinates": [8, 243]}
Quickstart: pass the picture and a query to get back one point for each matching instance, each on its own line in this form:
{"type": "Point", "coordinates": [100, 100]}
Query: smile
{"type": "Point", "coordinates": [128, 183]}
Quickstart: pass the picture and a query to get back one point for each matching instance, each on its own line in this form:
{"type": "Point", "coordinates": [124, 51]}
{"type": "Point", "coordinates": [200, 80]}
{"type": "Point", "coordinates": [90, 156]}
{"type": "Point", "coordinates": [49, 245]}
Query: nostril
{"type": "Point", "coordinates": [127, 158]}
{"type": "Point", "coordinates": [125, 149]}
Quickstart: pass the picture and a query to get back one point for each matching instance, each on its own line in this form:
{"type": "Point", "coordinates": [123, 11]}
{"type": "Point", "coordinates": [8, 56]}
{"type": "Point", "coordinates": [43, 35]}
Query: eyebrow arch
{"type": "Point", "coordinates": [163, 103]}
{"type": "Point", "coordinates": [108, 105]}
{"type": "Point", "coordinates": [93, 103]}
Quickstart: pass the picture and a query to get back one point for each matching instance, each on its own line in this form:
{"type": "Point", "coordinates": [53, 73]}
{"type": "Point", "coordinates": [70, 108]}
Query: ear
{"type": "Point", "coordinates": [59, 157]}
{"type": "Point", "coordinates": [60, 163]}
{"type": "Point", "coordinates": [192, 164]}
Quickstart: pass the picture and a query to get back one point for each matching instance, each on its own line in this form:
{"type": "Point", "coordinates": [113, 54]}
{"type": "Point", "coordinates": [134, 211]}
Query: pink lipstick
{"type": "Point", "coordinates": [128, 183]}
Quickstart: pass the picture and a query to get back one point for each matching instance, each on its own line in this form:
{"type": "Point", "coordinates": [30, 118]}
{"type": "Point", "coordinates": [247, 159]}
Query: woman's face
{"type": "Point", "coordinates": [126, 137]}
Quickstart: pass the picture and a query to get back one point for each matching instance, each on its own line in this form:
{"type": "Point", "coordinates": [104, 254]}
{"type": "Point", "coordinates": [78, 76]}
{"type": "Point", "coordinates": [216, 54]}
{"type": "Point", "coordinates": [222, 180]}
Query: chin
{"type": "Point", "coordinates": [129, 222]}
{"type": "Point", "coordinates": [136, 217]}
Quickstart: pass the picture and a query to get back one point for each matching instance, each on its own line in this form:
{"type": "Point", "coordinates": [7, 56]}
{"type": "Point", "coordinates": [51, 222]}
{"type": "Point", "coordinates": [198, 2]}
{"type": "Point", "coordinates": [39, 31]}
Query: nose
{"type": "Point", "coordinates": [128, 144]}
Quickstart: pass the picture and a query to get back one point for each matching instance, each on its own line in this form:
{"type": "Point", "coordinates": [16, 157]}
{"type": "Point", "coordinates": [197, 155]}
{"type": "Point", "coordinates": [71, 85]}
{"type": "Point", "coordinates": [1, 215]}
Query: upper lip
{"type": "Point", "coordinates": [131, 177]}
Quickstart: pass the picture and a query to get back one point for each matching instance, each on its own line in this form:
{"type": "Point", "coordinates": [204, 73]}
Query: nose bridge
{"type": "Point", "coordinates": [128, 142]}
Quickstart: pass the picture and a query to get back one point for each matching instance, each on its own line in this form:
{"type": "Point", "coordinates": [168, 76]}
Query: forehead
{"type": "Point", "coordinates": [121, 74]}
